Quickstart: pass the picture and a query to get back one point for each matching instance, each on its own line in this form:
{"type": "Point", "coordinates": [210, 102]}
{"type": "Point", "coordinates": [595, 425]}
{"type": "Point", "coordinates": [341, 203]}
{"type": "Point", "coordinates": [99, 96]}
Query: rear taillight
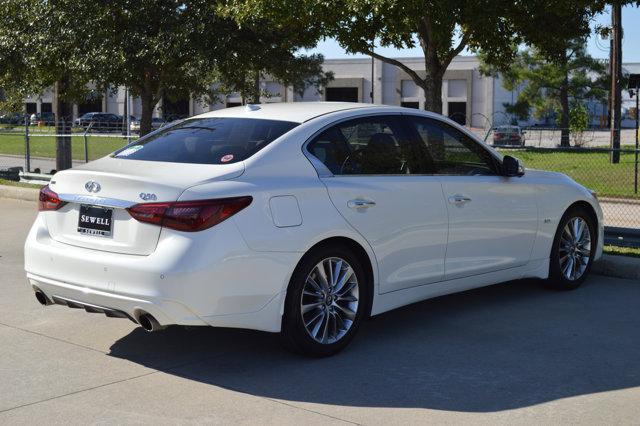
{"type": "Point", "coordinates": [189, 216]}
{"type": "Point", "coordinates": [49, 200]}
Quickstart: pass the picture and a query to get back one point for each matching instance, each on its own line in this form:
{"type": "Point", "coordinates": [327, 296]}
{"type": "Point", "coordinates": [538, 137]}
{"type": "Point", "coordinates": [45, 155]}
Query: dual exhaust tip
{"type": "Point", "coordinates": [149, 323]}
{"type": "Point", "coordinates": [42, 298]}
{"type": "Point", "coordinates": [146, 320]}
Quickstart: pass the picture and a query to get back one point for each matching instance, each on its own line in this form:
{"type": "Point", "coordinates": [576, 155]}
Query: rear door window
{"type": "Point", "coordinates": [364, 146]}
{"type": "Point", "coordinates": [215, 140]}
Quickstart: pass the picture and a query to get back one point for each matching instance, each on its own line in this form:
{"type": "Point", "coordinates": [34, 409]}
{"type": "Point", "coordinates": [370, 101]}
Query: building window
{"type": "Point", "coordinates": [457, 89]}
{"type": "Point", "coordinates": [409, 89]}
{"type": "Point", "coordinates": [233, 104]}
{"type": "Point", "coordinates": [414, 105]}
{"type": "Point", "coordinates": [31, 107]}
{"type": "Point", "coordinates": [458, 112]}
{"type": "Point", "coordinates": [92, 104]}
{"type": "Point", "coordinates": [46, 107]}
{"type": "Point", "coordinates": [342, 94]}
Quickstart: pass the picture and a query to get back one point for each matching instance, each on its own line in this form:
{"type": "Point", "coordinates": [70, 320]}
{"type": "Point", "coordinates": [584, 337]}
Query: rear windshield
{"type": "Point", "coordinates": [218, 140]}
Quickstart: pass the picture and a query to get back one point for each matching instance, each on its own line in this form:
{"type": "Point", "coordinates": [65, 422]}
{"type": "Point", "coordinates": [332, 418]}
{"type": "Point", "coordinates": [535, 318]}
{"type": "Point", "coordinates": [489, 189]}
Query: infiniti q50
{"type": "Point", "coordinates": [302, 219]}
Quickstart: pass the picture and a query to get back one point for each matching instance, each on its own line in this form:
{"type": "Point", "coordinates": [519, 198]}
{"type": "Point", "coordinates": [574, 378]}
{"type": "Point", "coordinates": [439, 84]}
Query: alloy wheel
{"type": "Point", "coordinates": [329, 301]}
{"type": "Point", "coordinates": [575, 248]}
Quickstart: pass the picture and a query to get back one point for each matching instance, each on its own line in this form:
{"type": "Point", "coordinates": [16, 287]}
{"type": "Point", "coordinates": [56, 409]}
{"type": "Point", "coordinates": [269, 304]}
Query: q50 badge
{"type": "Point", "coordinates": [147, 196]}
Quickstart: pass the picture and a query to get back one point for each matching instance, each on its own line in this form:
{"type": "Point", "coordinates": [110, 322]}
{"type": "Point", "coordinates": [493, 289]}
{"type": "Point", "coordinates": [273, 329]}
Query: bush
{"type": "Point", "coordinates": [578, 123]}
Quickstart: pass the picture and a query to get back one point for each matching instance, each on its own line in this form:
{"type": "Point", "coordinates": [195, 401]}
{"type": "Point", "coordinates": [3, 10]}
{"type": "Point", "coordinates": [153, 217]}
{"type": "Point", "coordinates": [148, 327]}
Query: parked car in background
{"type": "Point", "coordinates": [47, 118]}
{"type": "Point", "coordinates": [132, 118]}
{"type": "Point", "coordinates": [13, 118]}
{"type": "Point", "coordinates": [100, 122]}
{"type": "Point", "coordinates": [156, 123]}
{"type": "Point", "coordinates": [508, 135]}
{"type": "Point", "coordinates": [303, 220]}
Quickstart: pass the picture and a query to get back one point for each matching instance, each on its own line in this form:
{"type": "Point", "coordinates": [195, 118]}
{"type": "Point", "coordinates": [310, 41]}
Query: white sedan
{"type": "Point", "coordinates": [302, 219]}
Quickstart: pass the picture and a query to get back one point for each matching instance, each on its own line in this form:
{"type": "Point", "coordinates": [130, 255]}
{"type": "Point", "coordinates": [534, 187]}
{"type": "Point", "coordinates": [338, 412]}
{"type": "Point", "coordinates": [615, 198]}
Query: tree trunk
{"type": "Point", "coordinates": [256, 88]}
{"type": "Point", "coordinates": [433, 93]}
{"type": "Point", "coordinates": [564, 115]}
{"type": "Point", "coordinates": [63, 115]}
{"type": "Point", "coordinates": [146, 98]}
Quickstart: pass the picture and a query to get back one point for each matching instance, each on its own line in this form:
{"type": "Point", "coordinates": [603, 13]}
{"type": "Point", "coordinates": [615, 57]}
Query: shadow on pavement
{"type": "Point", "coordinates": [502, 347]}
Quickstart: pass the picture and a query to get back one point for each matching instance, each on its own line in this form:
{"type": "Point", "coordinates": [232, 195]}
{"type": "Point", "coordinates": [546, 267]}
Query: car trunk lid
{"type": "Point", "coordinates": [111, 185]}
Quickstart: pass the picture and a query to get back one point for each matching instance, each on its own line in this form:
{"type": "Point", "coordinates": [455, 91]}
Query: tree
{"type": "Point", "coordinates": [549, 86]}
{"type": "Point", "coordinates": [442, 29]}
{"type": "Point", "coordinates": [47, 44]}
{"type": "Point", "coordinates": [172, 48]}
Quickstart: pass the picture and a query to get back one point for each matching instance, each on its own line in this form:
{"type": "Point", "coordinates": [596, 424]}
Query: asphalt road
{"type": "Point", "coordinates": [512, 353]}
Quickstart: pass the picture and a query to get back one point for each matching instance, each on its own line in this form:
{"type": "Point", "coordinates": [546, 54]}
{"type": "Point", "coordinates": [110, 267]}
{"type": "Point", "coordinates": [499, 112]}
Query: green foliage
{"type": "Point", "coordinates": [519, 109]}
{"type": "Point", "coordinates": [578, 118]}
{"type": "Point", "coordinates": [548, 83]}
{"type": "Point", "coordinates": [44, 42]}
{"type": "Point", "coordinates": [441, 28]}
{"type": "Point", "coordinates": [156, 48]}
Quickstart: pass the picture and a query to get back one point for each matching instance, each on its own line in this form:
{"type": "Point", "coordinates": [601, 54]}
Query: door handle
{"type": "Point", "coordinates": [459, 199]}
{"type": "Point", "coordinates": [360, 204]}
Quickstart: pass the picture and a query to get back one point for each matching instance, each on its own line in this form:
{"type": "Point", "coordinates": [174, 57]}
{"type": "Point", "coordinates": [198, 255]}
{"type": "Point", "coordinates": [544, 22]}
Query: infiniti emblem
{"type": "Point", "coordinates": [92, 186]}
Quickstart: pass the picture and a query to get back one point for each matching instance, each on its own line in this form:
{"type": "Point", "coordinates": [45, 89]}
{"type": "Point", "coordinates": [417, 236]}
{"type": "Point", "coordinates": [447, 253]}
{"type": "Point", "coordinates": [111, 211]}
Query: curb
{"type": "Point", "coordinates": [618, 266]}
{"type": "Point", "coordinates": [609, 265]}
{"type": "Point", "coordinates": [19, 193]}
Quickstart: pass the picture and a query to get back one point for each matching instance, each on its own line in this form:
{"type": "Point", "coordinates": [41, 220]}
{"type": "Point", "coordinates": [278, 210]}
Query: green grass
{"type": "Point", "coordinates": [622, 251]}
{"type": "Point", "coordinates": [591, 169]}
{"type": "Point", "coordinates": [20, 184]}
{"type": "Point", "coordinates": [45, 146]}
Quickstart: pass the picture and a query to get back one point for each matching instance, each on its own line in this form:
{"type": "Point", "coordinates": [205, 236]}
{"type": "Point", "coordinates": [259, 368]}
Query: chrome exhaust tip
{"type": "Point", "coordinates": [149, 323]}
{"type": "Point", "coordinates": [42, 298]}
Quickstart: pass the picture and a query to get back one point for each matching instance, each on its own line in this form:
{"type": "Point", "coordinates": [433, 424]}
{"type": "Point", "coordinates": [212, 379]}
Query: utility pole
{"type": "Point", "coordinates": [616, 76]}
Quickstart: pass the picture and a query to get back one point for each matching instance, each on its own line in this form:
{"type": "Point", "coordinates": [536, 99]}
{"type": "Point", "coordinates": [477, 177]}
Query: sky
{"type": "Point", "coordinates": [597, 48]}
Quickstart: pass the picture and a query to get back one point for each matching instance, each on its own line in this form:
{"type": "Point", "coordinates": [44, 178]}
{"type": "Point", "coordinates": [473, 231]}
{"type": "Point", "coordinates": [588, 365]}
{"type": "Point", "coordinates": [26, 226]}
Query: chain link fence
{"type": "Point", "coordinates": [31, 147]}
{"type": "Point", "coordinates": [616, 184]}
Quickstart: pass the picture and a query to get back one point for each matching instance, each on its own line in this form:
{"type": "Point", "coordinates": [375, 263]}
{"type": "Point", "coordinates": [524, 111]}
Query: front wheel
{"type": "Point", "coordinates": [325, 302]}
{"type": "Point", "coordinates": [573, 249]}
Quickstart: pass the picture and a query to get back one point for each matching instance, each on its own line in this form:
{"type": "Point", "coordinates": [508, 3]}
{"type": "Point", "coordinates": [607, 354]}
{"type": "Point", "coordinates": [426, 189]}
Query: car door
{"type": "Point", "coordinates": [492, 218]}
{"type": "Point", "coordinates": [374, 186]}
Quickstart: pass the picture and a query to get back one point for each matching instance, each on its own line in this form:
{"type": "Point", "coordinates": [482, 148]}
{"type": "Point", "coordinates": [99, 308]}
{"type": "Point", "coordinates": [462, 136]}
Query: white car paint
{"type": "Point", "coordinates": [235, 274]}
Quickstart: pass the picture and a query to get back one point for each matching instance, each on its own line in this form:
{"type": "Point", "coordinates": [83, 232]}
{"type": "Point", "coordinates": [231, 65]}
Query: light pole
{"type": "Point", "coordinates": [373, 46]}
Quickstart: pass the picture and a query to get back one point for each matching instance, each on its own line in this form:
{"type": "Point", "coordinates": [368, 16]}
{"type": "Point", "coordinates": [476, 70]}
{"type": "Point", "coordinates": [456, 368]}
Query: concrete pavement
{"type": "Point", "coordinates": [509, 354]}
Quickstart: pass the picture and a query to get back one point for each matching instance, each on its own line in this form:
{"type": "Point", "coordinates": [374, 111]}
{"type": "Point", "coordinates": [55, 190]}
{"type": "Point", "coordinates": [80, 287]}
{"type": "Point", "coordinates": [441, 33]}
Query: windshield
{"type": "Point", "coordinates": [216, 140]}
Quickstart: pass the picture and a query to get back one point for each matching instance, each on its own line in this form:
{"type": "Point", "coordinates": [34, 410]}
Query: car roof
{"type": "Point", "coordinates": [298, 112]}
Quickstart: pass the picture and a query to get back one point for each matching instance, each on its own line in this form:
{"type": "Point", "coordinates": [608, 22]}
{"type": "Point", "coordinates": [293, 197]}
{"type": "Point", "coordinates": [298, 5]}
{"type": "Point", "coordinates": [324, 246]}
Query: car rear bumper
{"type": "Point", "coordinates": [205, 278]}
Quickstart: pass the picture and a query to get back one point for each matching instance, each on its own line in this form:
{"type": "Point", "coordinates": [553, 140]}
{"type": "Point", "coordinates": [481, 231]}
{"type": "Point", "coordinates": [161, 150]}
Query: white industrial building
{"type": "Point", "coordinates": [467, 96]}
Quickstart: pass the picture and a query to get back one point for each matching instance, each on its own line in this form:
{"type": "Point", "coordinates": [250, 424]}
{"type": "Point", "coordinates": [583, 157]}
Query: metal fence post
{"type": "Point", "coordinates": [637, 121]}
{"type": "Point", "coordinates": [27, 148]}
{"type": "Point", "coordinates": [86, 143]}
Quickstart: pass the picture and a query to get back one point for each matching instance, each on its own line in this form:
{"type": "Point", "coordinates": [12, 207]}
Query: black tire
{"type": "Point", "coordinates": [557, 278]}
{"type": "Point", "coordinates": [294, 334]}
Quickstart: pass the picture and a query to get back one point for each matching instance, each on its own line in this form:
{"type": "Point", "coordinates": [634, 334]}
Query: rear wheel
{"type": "Point", "coordinates": [325, 302]}
{"type": "Point", "coordinates": [573, 249]}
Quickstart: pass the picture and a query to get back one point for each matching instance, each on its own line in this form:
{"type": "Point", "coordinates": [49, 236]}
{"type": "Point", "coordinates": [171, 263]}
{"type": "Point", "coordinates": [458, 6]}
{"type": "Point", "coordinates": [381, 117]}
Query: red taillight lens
{"type": "Point", "coordinates": [189, 216]}
{"type": "Point", "coordinates": [49, 200]}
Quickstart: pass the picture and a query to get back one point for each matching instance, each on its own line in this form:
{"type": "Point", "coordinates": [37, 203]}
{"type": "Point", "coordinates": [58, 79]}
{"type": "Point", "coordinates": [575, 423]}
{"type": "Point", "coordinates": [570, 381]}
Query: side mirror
{"type": "Point", "coordinates": [511, 166]}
